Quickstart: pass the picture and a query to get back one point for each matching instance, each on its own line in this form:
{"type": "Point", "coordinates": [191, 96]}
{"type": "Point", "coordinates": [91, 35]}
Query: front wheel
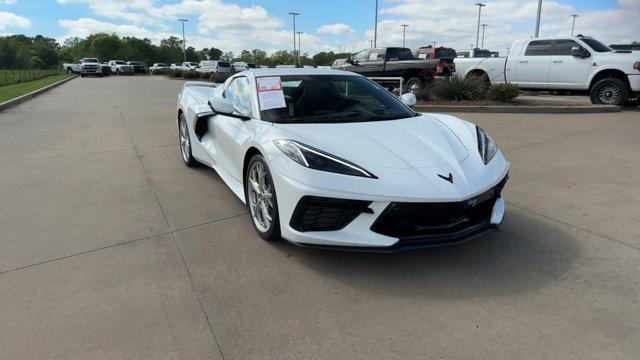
{"type": "Point", "coordinates": [117, 71]}
{"type": "Point", "coordinates": [261, 198]}
{"type": "Point", "coordinates": [185, 143]}
{"type": "Point", "coordinates": [609, 91]}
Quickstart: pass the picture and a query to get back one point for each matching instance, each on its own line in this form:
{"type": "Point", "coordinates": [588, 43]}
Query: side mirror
{"type": "Point", "coordinates": [408, 99]}
{"type": "Point", "coordinates": [579, 51]}
{"type": "Point", "coordinates": [221, 105]}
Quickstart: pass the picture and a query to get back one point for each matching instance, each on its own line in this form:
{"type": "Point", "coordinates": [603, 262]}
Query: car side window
{"type": "Point", "coordinates": [362, 56]}
{"type": "Point", "coordinates": [563, 47]}
{"type": "Point", "coordinates": [538, 48]}
{"type": "Point", "coordinates": [239, 92]}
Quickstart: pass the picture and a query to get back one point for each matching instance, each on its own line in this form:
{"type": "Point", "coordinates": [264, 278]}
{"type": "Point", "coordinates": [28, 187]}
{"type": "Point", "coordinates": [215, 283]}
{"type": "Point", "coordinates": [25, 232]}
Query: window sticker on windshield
{"type": "Point", "coordinates": [270, 94]}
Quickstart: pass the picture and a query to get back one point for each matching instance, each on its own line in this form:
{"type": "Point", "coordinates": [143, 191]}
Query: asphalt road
{"type": "Point", "coordinates": [110, 248]}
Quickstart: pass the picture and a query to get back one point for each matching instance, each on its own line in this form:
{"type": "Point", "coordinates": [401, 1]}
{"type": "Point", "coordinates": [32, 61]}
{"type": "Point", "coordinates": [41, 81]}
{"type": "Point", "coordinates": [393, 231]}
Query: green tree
{"type": "Point", "coordinates": [214, 54]}
{"type": "Point", "coordinates": [105, 47]}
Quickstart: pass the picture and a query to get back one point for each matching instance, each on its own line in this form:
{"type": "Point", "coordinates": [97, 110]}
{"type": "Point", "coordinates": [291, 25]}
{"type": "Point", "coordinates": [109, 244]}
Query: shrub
{"type": "Point", "coordinates": [426, 93]}
{"type": "Point", "coordinates": [458, 88]}
{"type": "Point", "coordinates": [189, 74]}
{"type": "Point", "coordinates": [219, 77]}
{"type": "Point", "coordinates": [204, 75]}
{"type": "Point", "coordinates": [503, 92]}
{"type": "Point", "coordinates": [174, 73]}
{"type": "Point", "coordinates": [159, 71]}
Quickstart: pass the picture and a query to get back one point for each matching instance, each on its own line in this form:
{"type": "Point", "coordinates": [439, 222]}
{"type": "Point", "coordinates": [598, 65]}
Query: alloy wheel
{"type": "Point", "coordinates": [259, 189]}
{"type": "Point", "coordinates": [609, 94]}
{"type": "Point", "coordinates": [185, 145]}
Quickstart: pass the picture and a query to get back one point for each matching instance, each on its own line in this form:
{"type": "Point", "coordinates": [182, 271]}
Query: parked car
{"type": "Point", "coordinates": [71, 68]}
{"type": "Point", "coordinates": [214, 66]}
{"type": "Point", "coordinates": [106, 69]}
{"type": "Point", "coordinates": [444, 55]}
{"type": "Point", "coordinates": [393, 62]}
{"type": "Point", "coordinates": [120, 67]}
{"type": "Point", "coordinates": [188, 66]}
{"type": "Point", "coordinates": [90, 66]}
{"type": "Point", "coordinates": [174, 66]}
{"type": "Point", "coordinates": [577, 64]}
{"type": "Point", "coordinates": [327, 159]}
{"type": "Point", "coordinates": [138, 67]}
{"type": "Point", "coordinates": [158, 66]}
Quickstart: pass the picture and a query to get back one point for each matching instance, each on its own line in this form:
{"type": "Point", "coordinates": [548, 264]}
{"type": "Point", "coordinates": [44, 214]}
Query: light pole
{"type": "Point", "coordinates": [375, 28]}
{"type": "Point", "coordinates": [184, 51]}
{"type": "Point", "coordinates": [404, 32]}
{"type": "Point", "coordinates": [483, 27]}
{"type": "Point", "coordinates": [573, 25]}
{"type": "Point", "coordinates": [299, 44]}
{"type": "Point", "coordinates": [295, 57]}
{"type": "Point", "coordinates": [538, 18]}
{"type": "Point", "coordinates": [480, 6]}
{"type": "Point", "coordinates": [434, 44]}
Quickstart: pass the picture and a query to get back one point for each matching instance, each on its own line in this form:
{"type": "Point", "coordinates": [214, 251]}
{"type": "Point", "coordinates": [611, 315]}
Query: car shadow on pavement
{"type": "Point", "coordinates": [527, 254]}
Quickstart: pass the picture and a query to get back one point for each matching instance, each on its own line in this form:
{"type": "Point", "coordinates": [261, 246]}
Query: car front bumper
{"type": "Point", "coordinates": [367, 225]}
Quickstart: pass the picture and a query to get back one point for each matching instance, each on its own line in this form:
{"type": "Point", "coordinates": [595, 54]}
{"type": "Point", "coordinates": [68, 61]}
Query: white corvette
{"type": "Point", "coordinates": [329, 159]}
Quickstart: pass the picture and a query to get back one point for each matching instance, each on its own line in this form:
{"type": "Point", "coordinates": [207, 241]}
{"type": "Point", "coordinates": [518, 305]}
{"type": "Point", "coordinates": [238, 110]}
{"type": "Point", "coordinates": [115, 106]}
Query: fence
{"type": "Point", "coordinates": [17, 76]}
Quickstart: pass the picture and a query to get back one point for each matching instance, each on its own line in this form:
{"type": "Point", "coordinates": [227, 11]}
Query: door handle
{"type": "Point", "coordinates": [523, 62]}
{"type": "Point", "coordinates": [557, 61]}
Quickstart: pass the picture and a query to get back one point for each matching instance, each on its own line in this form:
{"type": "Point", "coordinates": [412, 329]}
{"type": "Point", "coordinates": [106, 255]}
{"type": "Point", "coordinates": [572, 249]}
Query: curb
{"type": "Point", "coordinates": [593, 109]}
{"type": "Point", "coordinates": [20, 99]}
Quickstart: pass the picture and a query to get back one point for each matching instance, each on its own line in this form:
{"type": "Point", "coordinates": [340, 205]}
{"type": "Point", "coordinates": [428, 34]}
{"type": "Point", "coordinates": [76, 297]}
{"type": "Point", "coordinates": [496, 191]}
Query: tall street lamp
{"type": "Point", "coordinates": [184, 50]}
{"type": "Point", "coordinates": [404, 32]}
{"type": "Point", "coordinates": [573, 25]}
{"type": "Point", "coordinates": [375, 28]}
{"type": "Point", "coordinates": [299, 44]}
{"type": "Point", "coordinates": [295, 57]}
{"type": "Point", "coordinates": [483, 27]}
{"type": "Point", "coordinates": [480, 6]}
{"type": "Point", "coordinates": [538, 18]}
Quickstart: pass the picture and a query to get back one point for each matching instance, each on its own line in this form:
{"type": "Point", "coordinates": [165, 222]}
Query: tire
{"type": "Point", "coordinates": [101, 75]}
{"type": "Point", "coordinates": [414, 85]}
{"type": "Point", "coordinates": [632, 102]}
{"type": "Point", "coordinates": [261, 195]}
{"type": "Point", "coordinates": [117, 71]}
{"type": "Point", "coordinates": [69, 71]}
{"type": "Point", "coordinates": [185, 143]}
{"type": "Point", "coordinates": [82, 75]}
{"type": "Point", "coordinates": [610, 91]}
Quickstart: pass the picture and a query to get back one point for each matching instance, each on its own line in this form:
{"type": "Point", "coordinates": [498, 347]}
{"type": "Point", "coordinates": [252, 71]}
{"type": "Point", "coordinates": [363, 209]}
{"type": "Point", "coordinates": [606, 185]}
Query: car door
{"type": "Point", "coordinates": [567, 71]}
{"type": "Point", "coordinates": [374, 64]}
{"type": "Point", "coordinates": [533, 65]}
{"type": "Point", "coordinates": [229, 132]}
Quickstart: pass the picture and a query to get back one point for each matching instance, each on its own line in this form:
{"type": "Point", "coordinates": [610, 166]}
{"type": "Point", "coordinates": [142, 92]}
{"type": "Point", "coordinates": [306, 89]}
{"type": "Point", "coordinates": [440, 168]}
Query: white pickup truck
{"type": "Point", "coordinates": [574, 64]}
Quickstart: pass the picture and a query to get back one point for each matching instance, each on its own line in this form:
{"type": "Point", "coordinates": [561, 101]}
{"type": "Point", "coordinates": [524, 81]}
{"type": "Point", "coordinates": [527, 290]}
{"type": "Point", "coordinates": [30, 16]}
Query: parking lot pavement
{"type": "Point", "coordinates": [112, 249]}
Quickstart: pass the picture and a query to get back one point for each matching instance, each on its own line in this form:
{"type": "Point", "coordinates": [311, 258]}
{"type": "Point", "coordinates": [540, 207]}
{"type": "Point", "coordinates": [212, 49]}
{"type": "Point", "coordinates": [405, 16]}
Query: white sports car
{"type": "Point", "coordinates": [329, 159]}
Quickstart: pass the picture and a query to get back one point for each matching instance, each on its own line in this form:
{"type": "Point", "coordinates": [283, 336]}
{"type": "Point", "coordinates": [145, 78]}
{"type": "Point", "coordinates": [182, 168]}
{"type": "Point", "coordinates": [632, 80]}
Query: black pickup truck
{"type": "Point", "coordinates": [393, 62]}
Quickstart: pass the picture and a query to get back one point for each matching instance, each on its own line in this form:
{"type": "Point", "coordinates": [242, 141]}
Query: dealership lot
{"type": "Point", "coordinates": [111, 248]}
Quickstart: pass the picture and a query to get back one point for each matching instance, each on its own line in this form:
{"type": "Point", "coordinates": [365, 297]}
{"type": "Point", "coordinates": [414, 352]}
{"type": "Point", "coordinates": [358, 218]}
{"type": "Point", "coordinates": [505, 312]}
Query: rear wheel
{"type": "Point", "coordinates": [185, 143]}
{"type": "Point", "coordinates": [609, 91]}
{"type": "Point", "coordinates": [414, 85]}
{"type": "Point", "coordinates": [261, 199]}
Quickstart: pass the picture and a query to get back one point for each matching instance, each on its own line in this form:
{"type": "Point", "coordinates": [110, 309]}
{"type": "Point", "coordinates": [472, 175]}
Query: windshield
{"type": "Point", "coordinates": [120, 62]}
{"type": "Point", "coordinates": [333, 99]}
{"type": "Point", "coordinates": [223, 64]}
{"type": "Point", "coordinates": [89, 60]}
{"type": "Point", "coordinates": [134, 63]}
{"type": "Point", "coordinates": [596, 45]}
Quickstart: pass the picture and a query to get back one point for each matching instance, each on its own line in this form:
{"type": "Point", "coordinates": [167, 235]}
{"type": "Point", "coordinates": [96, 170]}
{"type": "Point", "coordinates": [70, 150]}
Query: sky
{"type": "Point", "coordinates": [337, 25]}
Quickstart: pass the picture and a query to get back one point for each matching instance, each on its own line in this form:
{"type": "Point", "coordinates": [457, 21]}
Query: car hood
{"type": "Point", "coordinates": [417, 142]}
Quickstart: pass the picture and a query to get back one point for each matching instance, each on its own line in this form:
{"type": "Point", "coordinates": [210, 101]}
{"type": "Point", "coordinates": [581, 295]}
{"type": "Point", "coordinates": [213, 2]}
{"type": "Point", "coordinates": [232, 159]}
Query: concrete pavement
{"type": "Point", "coordinates": [112, 249]}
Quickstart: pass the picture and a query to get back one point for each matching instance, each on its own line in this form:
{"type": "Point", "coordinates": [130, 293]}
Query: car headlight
{"type": "Point", "coordinates": [313, 158]}
{"type": "Point", "coordinates": [486, 146]}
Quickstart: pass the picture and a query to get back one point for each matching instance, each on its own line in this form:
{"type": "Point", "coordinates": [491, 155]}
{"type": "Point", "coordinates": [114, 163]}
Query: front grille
{"type": "Point", "coordinates": [423, 220]}
{"type": "Point", "coordinates": [314, 213]}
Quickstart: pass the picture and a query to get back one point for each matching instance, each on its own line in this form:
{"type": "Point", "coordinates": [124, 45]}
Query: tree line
{"type": "Point", "coordinates": [40, 52]}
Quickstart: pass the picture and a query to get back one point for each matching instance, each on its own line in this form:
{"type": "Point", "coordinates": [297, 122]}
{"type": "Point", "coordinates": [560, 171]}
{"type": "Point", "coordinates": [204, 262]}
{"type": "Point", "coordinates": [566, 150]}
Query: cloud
{"type": "Point", "coordinates": [11, 20]}
{"type": "Point", "coordinates": [336, 29]}
{"type": "Point", "coordinates": [455, 23]}
{"type": "Point", "coordinates": [9, 2]}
